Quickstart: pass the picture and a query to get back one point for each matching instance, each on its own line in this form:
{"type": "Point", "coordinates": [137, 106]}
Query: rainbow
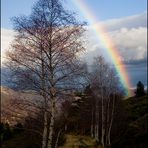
{"type": "Point", "coordinates": [112, 51]}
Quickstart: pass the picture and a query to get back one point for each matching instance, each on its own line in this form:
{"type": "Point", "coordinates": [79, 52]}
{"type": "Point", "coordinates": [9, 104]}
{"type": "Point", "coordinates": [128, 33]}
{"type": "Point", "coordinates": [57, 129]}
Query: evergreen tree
{"type": "Point", "coordinates": [140, 89]}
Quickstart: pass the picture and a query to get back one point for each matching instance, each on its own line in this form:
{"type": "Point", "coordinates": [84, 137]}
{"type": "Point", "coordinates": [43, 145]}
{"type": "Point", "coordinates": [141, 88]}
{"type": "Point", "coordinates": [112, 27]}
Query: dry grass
{"type": "Point", "coordinates": [78, 141]}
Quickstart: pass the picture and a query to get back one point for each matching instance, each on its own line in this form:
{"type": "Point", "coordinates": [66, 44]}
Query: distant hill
{"type": "Point", "coordinates": [10, 80]}
{"type": "Point", "coordinates": [10, 100]}
{"type": "Point", "coordinates": [6, 78]}
{"type": "Point", "coordinates": [7, 94]}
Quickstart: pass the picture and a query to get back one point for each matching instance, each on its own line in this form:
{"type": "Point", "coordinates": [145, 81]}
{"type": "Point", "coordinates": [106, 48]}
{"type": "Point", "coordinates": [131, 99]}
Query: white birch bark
{"type": "Point", "coordinates": [107, 118]}
{"type": "Point", "coordinates": [51, 126]}
{"type": "Point", "coordinates": [92, 124]}
{"type": "Point", "coordinates": [97, 122]}
{"type": "Point", "coordinates": [44, 140]}
{"type": "Point", "coordinates": [57, 140]}
{"type": "Point", "coordinates": [103, 130]}
{"type": "Point", "coordinates": [111, 122]}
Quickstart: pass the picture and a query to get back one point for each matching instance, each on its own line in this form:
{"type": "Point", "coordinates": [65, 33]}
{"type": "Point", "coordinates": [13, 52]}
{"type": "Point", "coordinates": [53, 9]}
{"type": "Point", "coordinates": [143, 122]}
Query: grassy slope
{"type": "Point", "coordinates": [76, 141]}
{"type": "Point", "coordinates": [72, 141]}
{"type": "Point", "coordinates": [137, 130]}
{"type": "Point", "coordinates": [136, 107]}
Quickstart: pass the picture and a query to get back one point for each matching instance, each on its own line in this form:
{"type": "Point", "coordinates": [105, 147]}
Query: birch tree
{"type": "Point", "coordinates": [104, 83]}
{"type": "Point", "coordinates": [45, 54]}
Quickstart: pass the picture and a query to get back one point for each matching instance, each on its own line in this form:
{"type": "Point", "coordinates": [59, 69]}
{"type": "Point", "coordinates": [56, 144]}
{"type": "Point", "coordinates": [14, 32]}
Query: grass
{"type": "Point", "coordinates": [136, 107]}
{"type": "Point", "coordinates": [79, 141]}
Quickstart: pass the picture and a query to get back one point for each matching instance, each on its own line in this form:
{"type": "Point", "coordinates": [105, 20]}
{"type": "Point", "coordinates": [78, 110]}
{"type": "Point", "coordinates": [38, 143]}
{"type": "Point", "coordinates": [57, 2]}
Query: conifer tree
{"type": "Point", "coordinates": [140, 89]}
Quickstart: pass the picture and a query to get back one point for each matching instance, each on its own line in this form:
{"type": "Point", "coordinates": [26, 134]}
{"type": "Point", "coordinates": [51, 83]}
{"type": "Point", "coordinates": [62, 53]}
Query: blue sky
{"type": "Point", "coordinates": [107, 9]}
{"type": "Point", "coordinates": [125, 21]}
{"type": "Point", "coordinates": [11, 8]}
{"type": "Point", "coordinates": [104, 9]}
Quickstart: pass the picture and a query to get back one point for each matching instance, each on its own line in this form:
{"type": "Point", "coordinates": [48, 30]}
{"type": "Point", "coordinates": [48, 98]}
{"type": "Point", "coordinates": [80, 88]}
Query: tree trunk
{"type": "Point", "coordinates": [45, 136]}
{"type": "Point", "coordinates": [57, 140]}
{"type": "Point", "coordinates": [97, 123]}
{"type": "Point", "coordinates": [103, 130]}
{"type": "Point", "coordinates": [107, 121]}
{"type": "Point", "coordinates": [111, 122]}
{"type": "Point", "coordinates": [92, 122]}
{"type": "Point", "coordinates": [44, 140]}
{"type": "Point", "coordinates": [65, 127]}
{"type": "Point", "coordinates": [52, 119]}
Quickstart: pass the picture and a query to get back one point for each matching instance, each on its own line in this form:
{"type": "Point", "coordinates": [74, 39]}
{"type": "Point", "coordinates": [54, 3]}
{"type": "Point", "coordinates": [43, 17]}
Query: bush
{"type": "Point", "coordinates": [18, 128]}
{"type": "Point", "coordinates": [62, 139]}
{"type": "Point", "coordinates": [7, 134]}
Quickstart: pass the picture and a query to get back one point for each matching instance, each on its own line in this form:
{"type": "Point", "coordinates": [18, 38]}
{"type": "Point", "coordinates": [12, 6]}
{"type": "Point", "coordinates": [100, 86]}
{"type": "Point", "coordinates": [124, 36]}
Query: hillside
{"type": "Point", "coordinates": [137, 130]}
{"type": "Point", "coordinates": [11, 102]}
{"type": "Point", "coordinates": [134, 136]}
{"type": "Point", "coordinates": [136, 107]}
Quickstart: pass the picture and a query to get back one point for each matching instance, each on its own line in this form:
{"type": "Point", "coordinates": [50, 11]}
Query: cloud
{"type": "Point", "coordinates": [135, 21]}
{"type": "Point", "coordinates": [131, 43]}
{"type": "Point", "coordinates": [128, 34]}
{"type": "Point", "coordinates": [7, 37]}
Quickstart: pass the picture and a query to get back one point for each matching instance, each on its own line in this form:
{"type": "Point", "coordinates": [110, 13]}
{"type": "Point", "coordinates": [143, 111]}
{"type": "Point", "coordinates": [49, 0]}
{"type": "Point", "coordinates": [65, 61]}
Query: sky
{"type": "Point", "coordinates": [124, 20]}
{"type": "Point", "coordinates": [103, 9]}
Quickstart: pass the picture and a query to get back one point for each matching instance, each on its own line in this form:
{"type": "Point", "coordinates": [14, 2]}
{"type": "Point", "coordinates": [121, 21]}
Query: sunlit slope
{"type": "Point", "coordinates": [8, 94]}
{"type": "Point", "coordinates": [11, 101]}
{"type": "Point", "coordinates": [77, 141]}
